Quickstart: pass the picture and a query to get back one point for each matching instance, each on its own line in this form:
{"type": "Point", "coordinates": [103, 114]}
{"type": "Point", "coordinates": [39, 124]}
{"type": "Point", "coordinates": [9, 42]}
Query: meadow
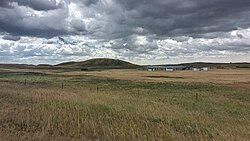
{"type": "Point", "coordinates": [124, 105]}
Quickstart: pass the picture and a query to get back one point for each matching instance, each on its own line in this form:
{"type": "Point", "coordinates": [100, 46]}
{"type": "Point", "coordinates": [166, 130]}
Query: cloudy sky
{"type": "Point", "coordinates": [140, 31]}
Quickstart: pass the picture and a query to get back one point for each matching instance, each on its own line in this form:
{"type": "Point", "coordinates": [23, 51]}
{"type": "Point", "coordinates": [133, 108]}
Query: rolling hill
{"type": "Point", "coordinates": [99, 63]}
{"type": "Point", "coordinates": [105, 63]}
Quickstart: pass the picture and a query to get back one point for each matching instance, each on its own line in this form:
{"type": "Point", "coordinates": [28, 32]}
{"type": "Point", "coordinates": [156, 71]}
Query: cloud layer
{"type": "Point", "coordinates": [141, 31]}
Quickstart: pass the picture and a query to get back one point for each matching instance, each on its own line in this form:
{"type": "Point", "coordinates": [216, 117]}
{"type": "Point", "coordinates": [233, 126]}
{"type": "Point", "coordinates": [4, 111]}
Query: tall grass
{"type": "Point", "coordinates": [42, 110]}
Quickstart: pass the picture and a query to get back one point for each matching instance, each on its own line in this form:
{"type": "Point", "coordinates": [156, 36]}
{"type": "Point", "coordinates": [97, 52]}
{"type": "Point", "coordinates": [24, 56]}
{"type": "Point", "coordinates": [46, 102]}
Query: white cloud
{"type": "Point", "coordinates": [139, 48]}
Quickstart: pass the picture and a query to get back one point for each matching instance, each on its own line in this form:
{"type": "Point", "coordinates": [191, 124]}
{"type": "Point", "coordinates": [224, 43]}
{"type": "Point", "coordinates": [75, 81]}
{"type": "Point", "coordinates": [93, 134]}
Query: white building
{"type": "Point", "coordinates": [200, 69]}
{"type": "Point", "coordinates": [196, 69]}
{"type": "Point", "coordinates": [204, 69]}
{"type": "Point", "coordinates": [167, 69]}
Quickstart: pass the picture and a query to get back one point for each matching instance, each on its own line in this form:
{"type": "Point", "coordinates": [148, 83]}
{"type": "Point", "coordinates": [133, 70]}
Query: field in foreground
{"type": "Point", "coordinates": [124, 105]}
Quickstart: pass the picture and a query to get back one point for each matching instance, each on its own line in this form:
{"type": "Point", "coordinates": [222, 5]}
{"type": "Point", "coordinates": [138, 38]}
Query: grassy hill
{"type": "Point", "coordinates": [99, 63]}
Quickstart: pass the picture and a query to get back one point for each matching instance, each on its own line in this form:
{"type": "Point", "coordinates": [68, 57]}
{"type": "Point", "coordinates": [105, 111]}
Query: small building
{"type": "Point", "coordinates": [196, 69]}
{"type": "Point", "coordinates": [205, 68]}
{"type": "Point", "coordinates": [168, 69]}
{"type": "Point", "coordinates": [200, 69]}
{"type": "Point", "coordinates": [151, 69]}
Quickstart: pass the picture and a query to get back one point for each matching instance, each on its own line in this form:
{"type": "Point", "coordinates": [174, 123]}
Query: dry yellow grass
{"type": "Point", "coordinates": [224, 76]}
{"type": "Point", "coordinates": [221, 76]}
{"type": "Point", "coordinates": [134, 107]}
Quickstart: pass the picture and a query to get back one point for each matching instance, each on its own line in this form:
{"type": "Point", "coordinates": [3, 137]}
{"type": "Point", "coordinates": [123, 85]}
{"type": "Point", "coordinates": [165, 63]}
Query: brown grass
{"type": "Point", "coordinates": [143, 108]}
{"type": "Point", "coordinates": [223, 76]}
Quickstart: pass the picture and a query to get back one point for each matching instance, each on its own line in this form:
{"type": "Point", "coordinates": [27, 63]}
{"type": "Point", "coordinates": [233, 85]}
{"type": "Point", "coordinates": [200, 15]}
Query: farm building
{"type": "Point", "coordinates": [196, 69]}
{"type": "Point", "coordinates": [164, 68]}
{"type": "Point", "coordinates": [205, 68]}
{"type": "Point", "coordinates": [200, 69]}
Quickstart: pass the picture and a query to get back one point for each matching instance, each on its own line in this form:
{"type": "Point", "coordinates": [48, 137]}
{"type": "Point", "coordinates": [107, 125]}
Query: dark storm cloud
{"type": "Point", "coordinates": [175, 17]}
{"type": "Point", "coordinates": [42, 32]}
{"type": "Point", "coordinates": [40, 4]}
{"type": "Point", "coordinates": [16, 22]}
{"type": "Point", "coordinates": [34, 4]}
{"type": "Point", "coordinates": [90, 2]}
{"type": "Point", "coordinates": [120, 18]}
{"type": "Point", "coordinates": [4, 3]}
{"type": "Point", "coordinates": [78, 25]}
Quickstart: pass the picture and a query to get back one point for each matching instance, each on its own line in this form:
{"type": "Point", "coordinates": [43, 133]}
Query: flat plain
{"type": "Point", "coordinates": [124, 104]}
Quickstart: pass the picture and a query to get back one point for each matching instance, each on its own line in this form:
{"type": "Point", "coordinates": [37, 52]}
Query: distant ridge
{"type": "Point", "coordinates": [219, 65]}
{"type": "Point", "coordinates": [105, 63]}
{"type": "Point", "coordinates": [16, 66]}
{"type": "Point", "coordinates": [99, 63]}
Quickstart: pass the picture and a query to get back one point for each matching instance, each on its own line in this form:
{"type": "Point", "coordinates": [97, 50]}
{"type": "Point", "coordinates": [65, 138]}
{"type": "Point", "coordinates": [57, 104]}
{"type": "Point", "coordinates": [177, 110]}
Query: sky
{"type": "Point", "coordinates": [139, 31]}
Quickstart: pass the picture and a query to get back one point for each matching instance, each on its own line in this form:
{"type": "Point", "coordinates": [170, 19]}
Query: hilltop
{"type": "Point", "coordinates": [99, 63]}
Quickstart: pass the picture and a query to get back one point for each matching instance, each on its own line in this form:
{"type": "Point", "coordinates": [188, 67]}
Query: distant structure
{"type": "Point", "coordinates": [164, 68]}
{"type": "Point", "coordinates": [171, 68]}
{"type": "Point", "coordinates": [196, 69]}
{"type": "Point", "coordinates": [200, 69]}
{"type": "Point", "coordinates": [205, 68]}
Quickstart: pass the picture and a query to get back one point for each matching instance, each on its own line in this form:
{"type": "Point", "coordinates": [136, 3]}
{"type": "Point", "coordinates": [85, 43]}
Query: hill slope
{"type": "Point", "coordinates": [99, 63]}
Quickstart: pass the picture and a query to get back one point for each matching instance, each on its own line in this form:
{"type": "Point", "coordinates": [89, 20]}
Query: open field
{"type": "Point", "coordinates": [213, 76]}
{"type": "Point", "coordinates": [124, 105]}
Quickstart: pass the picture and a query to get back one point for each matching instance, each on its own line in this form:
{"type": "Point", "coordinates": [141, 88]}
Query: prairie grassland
{"type": "Point", "coordinates": [97, 106]}
{"type": "Point", "coordinates": [222, 76]}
